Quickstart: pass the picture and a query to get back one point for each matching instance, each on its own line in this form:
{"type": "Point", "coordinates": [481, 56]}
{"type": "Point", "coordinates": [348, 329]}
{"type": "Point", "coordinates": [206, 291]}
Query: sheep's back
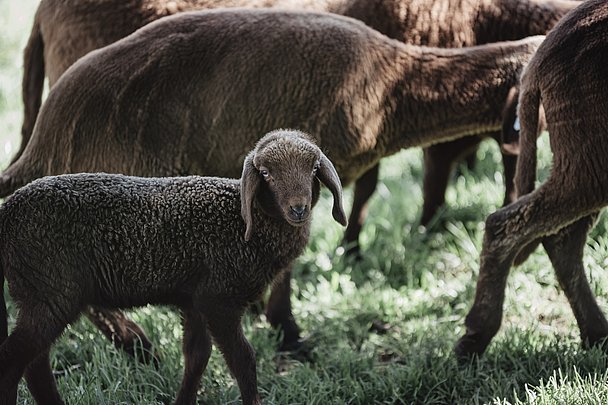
{"type": "Point", "coordinates": [211, 97]}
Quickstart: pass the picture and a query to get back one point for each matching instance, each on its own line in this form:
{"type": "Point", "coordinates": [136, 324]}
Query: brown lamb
{"type": "Point", "coordinates": [569, 75]}
{"type": "Point", "coordinates": [189, 94]}
{"type": "Point", "coordinates": [65, 30]}
{"type": "Point", "coordinates": [206, 245]}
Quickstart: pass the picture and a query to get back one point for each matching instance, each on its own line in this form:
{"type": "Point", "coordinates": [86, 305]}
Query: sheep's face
{"type": "Point", "coordinates": [282, 173]}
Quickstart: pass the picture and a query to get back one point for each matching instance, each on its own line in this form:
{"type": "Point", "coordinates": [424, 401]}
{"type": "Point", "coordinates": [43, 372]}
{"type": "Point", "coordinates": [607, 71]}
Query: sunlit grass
{"type": "Point", "coordinates": [421, 283]}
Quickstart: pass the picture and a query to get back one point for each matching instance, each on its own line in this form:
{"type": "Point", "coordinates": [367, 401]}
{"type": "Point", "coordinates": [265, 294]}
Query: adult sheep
{"type": "Point", "coordinates": [190, 94]}
{"type": "Point", "coordinates": [568, 75]}
{"type": "Point", "coordinates": [65, 30]}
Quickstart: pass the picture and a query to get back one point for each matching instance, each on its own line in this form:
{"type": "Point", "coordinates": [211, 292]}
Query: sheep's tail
{"type": "Point", "coordinates": [528, 112]}
{"type": "Point", "coordinates": [525, 174]}
{"type": "Point", "coordinates": [32, 84]}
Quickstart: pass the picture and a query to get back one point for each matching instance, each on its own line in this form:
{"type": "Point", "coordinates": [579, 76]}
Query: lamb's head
{"type": "Point", "coordinates": [282, 176]}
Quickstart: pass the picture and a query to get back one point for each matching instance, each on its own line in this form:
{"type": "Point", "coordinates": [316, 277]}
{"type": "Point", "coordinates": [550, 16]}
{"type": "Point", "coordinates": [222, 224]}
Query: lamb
{"type": "Point", "coordinates": [65, 30]}
{"type": "Point", "coordinates": [206, 245]}
{"type": "Point", "coordinates": [568, 74]}
{"type": "Point", "coordinates": [187, 95]}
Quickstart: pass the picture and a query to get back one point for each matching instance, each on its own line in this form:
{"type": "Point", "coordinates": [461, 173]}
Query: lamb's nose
{"type": "Point", "coordinates": [298, 210]}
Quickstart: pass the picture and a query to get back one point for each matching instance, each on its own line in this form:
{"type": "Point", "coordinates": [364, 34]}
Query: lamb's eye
{"type": "Point", "coordinates": [314, 169]}
{"type": "Point", "coordinates": [264, 173]}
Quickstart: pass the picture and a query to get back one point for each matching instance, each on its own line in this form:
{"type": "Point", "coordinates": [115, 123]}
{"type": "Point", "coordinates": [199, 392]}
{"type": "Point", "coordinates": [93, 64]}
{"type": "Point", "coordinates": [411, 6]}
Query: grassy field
{"type": "Point", "coordinates": [419, 282]}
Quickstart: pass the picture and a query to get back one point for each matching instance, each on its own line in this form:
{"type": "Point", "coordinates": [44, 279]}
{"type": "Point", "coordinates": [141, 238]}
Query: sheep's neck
{"type": "Point", "coordinates": [501, 20]}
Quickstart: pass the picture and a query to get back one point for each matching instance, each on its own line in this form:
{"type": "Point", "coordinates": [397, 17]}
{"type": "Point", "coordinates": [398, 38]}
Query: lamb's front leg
{"type": "Point", "coordinates": [123, 332]}
{"type": "Point", "coordinates": [225, 327]}
{"type": "Point", "coordinates": [197, 349]}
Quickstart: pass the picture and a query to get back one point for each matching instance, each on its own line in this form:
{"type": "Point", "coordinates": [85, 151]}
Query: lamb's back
{"type": "Point", "coordinates": [127, 237]}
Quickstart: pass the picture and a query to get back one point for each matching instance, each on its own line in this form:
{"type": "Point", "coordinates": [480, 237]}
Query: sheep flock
{"type": "Point", "coordinates": [181, 147]}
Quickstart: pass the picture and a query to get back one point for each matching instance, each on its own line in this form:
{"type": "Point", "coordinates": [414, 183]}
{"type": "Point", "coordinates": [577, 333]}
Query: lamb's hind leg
{"type": "Point", "coordinates": [565, 249]}
{"type": "Point", "coordinates": [540, 213]}
{"type": "Point", "coordinates": [197, 349]}
{"type": "Point", "coordinates": [37, 327]}
{"type": "Point", "coordinates": [123, 332]}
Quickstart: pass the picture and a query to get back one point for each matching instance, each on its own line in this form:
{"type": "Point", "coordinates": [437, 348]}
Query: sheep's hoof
{"type": "Point", "coordinates": [469, 348]}
{"type": "Point", "coordinates": [300, 350]}
{"type": "Point", "coordinates": [353, 252]}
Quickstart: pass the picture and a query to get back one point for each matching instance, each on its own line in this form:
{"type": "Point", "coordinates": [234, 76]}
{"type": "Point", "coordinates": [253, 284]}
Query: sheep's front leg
{"type": "Point", "coordinates": [225, 327]}
{"type": "Point", "coordinates": [278, 311]}
{"type": "Point", "coordinates": [439, 160]}
{"type": "Point", "coordinates": [197, 349]}
{"type": "Point", "coordinates": [364, 188]}
{"type": "Point", "coordinates": [123, 332]}
{"type": "Point", "coordinates": [41, 382]}
{"type": "Point", "coordinates": [565, 250]}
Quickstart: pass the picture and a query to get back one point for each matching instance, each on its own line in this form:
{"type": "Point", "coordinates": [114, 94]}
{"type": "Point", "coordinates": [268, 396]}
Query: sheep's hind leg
{"type": "Point", "coordinates": [438, 161]}
{"type": "Point", "coordinates": [508, 230]}
{"type": "Point", "coordinates": [364, 188]}
{"type": "Point", "coordinates": [36, 329]}
{"type": "Point", "coordinates": [123, 332]}
{"type": "Point", "coordinates": [509, 163]}
{"type": "Point", "coordinates": [278, 311]}
{"type": "Point", "coordinates": [226, 329]}
{"type": "Point", "coordinates": [565, 249]}
{"type": "Point", "coordinates": [197, 349]}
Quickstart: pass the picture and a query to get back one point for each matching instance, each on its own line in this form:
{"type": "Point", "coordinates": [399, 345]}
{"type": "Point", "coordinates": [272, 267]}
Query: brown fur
{"type": "Point", "coordinates": [568, 75]}
{"type": "Point", "coordinates": [186, 94]}
{"type": "Point", "coordinates": [71, 28]}
{"type": "Point", "coordinates": [208, 246]}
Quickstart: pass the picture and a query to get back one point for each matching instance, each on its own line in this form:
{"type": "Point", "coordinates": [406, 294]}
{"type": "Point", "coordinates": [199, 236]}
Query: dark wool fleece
{"type": "Point", "coordinates": [125, 241]}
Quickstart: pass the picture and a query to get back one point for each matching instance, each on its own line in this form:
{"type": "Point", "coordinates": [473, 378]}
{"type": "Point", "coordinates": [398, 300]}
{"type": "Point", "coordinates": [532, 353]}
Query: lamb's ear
{"type": "Point", "coordinates": [249, 186]}
{"type": "Point", "coordinates": [509, 142]}
{"type": "Point", "coordinates": [328, 176]}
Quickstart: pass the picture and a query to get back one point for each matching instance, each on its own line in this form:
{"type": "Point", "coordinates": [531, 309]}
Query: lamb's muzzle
{"type": "Point", "coordinates": [117, 241]}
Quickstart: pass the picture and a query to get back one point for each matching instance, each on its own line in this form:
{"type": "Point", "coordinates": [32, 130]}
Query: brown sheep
{"type": "Point", "coordinates": [189, 94]}
{"type": "Point", "coordinates": [65, 30]}
{"type": "Point", "coordinates": [569, 75]}
{"type": "Point", "coordinates": [206, 245]}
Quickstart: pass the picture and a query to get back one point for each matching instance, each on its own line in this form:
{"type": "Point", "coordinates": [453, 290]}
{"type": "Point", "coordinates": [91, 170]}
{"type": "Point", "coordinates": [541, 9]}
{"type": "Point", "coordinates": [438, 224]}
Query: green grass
{"type": "Point", "coordinates": [419, 282]}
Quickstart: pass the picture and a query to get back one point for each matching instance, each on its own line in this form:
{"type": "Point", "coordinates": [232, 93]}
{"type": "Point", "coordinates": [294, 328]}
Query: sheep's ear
{"type": "Point", "coordinates": [328, 176]}
{"type": "Point", "coordinates": [509, 142]}
{"type": "Point", "coordinates": [250, 182]}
